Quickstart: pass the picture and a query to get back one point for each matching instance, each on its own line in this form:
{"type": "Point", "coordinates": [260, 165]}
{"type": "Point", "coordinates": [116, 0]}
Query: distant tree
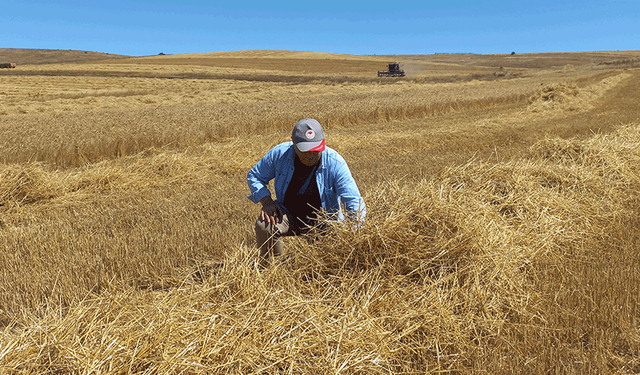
{"type": "Point", "coordinates": [513, 53]}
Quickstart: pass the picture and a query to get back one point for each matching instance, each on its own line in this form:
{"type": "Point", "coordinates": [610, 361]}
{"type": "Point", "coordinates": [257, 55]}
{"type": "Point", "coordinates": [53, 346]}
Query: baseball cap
{"type": "Point", "coordinates": [308, 135]}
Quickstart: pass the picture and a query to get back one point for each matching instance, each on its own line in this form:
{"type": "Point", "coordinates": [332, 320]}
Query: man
{"type": "Point", "coordinates": [309, 178]}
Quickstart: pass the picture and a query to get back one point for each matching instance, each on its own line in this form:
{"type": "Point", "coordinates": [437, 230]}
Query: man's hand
{"type": "Point", "coordinates": [271, 211]}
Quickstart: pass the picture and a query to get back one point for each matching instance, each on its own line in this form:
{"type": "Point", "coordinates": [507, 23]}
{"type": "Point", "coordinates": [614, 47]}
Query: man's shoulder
{"type": "Point", "coordinates": [333, 153]}
{"type": "Point", "coordinates": [333, 159]}
{"type": "Point", "coordinates": [284, 145]}
{"type": "Point", "coordinates": [281, 148]}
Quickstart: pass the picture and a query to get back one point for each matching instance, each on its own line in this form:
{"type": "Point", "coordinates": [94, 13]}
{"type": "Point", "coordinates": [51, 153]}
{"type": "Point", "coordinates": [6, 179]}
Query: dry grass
{"type": "Point", "coordinates": [492, 245]}
{"type": "Point", "coordinates": [485, 267]}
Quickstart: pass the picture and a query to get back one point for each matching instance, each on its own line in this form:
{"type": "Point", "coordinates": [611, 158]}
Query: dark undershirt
{"type": "Point", "coordinates": [302, 198]}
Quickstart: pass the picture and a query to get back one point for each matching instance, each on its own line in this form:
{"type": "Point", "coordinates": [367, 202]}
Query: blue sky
{"type": "Point", "coordinates": [144, 27]}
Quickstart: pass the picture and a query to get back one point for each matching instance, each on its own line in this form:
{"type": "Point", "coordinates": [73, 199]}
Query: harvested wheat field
{"type": "Point", "coordinates": [502, 233]}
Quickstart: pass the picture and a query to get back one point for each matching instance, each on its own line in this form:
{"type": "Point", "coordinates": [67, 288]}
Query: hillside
{"type": "Point", "coordinates": [330, 62]}
{"type": "Point", "coordinates": [23, 56]}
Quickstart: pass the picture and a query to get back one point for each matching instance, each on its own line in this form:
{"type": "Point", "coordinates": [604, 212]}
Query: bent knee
{"type": "Point", "coordinates": [264, 227]}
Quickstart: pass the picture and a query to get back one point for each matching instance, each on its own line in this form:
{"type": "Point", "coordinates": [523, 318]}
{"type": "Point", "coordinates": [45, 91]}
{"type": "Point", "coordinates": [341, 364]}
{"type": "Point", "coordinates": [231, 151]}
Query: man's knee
{"type": "Point", "coordinates": [262, 226]}
{"type": "Point", "coordinates": [280, 229]}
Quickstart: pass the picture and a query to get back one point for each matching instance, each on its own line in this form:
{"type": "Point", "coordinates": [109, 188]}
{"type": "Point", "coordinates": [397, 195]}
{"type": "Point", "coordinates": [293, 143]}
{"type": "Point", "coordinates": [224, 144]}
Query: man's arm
{"type": "Point", "coordinates": [348, 192]}
{"type": "Point", "coordinates": [259, 176]}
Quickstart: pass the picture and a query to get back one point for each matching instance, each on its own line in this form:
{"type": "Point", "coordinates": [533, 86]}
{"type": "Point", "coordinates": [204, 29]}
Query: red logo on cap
{"type": "Point", "coordinates": [310, 134]}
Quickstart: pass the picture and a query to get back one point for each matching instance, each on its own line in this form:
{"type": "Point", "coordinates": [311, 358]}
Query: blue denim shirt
{"type": "Point", "coordinates": [335, 183]}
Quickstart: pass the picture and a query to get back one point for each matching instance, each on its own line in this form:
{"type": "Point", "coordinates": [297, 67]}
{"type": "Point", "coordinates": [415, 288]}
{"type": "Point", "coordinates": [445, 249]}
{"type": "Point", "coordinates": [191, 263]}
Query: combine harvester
{"type": "Point", "coordinates": [394, 71]}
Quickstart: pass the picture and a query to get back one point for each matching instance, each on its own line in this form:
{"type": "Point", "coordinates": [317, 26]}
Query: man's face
{"type": "Point", "coordinates": [308, 158]}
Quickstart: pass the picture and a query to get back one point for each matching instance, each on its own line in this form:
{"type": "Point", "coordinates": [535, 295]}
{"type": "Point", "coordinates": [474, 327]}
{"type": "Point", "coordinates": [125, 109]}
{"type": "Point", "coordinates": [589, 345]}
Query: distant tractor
{"type": "Point", "coordinates": [394, 71]}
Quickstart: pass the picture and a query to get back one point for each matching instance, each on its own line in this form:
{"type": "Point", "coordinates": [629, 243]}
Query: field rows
{"type": "Point", "coordinates": [69, 121]}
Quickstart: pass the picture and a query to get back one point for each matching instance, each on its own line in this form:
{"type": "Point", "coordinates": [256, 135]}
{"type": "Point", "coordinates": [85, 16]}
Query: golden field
{"type": "Point", "coordinates": [502, 232]}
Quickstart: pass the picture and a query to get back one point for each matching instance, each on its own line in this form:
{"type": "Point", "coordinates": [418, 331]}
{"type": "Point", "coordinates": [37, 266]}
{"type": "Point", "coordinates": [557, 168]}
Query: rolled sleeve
{"type": "Point", "coordinates": [347, 190]}
{"type": "Point", "coordinates": [350, 195]}
{"type": "Point", "coordinates": [258, 178]}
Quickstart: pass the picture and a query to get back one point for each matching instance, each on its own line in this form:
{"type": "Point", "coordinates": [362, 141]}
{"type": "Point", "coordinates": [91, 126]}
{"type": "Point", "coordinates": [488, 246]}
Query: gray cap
{"type": "Point", "coordinates": [308, 135]}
